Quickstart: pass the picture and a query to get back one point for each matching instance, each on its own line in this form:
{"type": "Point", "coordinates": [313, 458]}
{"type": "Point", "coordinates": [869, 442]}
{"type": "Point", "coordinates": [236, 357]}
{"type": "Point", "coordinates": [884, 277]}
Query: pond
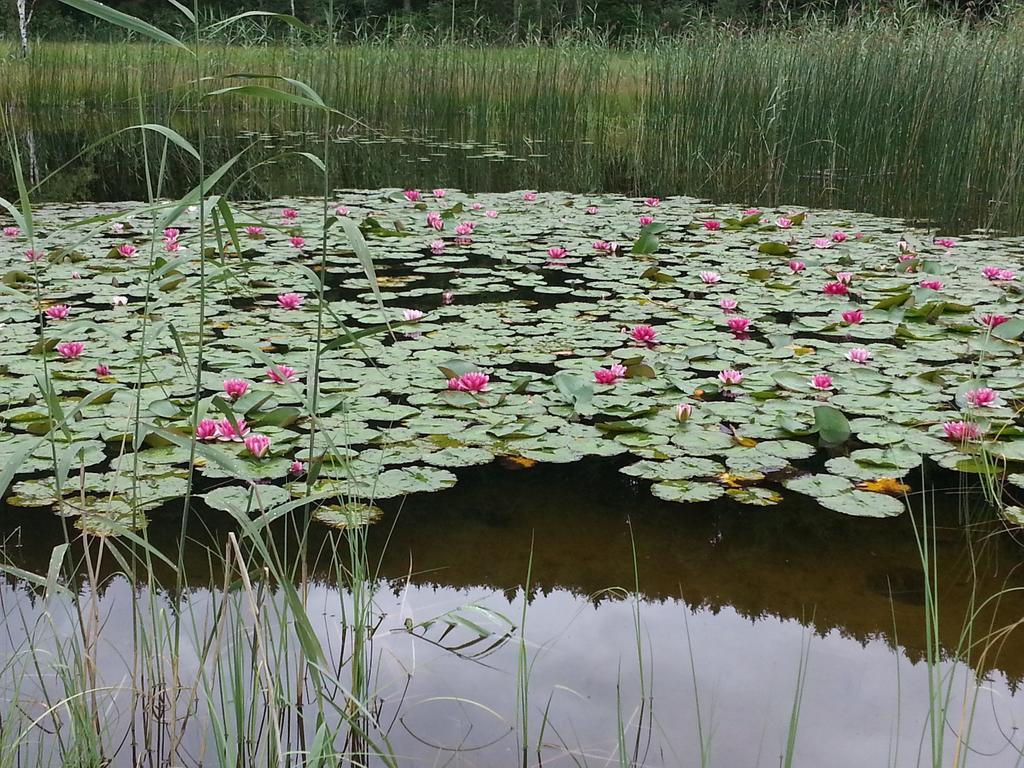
{"type": "Point", "coordinates": [715, 442]}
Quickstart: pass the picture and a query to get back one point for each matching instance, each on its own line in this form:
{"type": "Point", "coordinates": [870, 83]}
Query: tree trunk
{"type": "Point", "coordinates": [24, 19]}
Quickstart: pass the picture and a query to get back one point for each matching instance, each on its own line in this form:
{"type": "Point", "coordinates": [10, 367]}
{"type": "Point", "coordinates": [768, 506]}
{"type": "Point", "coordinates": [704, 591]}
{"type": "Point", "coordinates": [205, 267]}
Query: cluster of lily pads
{"type": "Point", "coordinates": [720, 351]}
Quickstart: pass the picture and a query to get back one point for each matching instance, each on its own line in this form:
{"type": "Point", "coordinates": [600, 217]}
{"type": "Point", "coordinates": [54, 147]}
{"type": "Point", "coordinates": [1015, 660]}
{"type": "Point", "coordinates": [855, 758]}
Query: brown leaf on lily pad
{"type": "Point", "coordinates": [887, 485]}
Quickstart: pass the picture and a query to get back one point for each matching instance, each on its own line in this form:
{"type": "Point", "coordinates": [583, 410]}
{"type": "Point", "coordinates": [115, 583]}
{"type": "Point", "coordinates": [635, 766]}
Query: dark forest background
{"type": "Point", "coordinates": [507, 20]}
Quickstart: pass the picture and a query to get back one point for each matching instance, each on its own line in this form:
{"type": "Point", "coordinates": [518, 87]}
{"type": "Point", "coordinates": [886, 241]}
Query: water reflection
{"type": "Point", "coordinates": [80, 163]}
{"type": "Point", "coordinates": [753, 588]}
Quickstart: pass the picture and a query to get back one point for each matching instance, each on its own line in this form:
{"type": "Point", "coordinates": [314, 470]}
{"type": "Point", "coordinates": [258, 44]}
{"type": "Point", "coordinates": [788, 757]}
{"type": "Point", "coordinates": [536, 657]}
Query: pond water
{"type": "Point", "coordinates": [742, 591]}
{"type": "Point", "coordinates": [528, 422]}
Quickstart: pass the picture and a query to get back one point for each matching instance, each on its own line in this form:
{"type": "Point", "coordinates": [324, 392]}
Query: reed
{"type": "Point", "coordinates": [926, 123]}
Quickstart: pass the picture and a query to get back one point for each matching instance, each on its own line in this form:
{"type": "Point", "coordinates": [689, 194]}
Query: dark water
{"type": "Point", "coordinates": [753, 587]}
{"type": "Point", "coordinates": [70, 157]}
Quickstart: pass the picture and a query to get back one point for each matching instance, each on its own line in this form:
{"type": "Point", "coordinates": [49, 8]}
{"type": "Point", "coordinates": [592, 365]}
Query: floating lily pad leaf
{"type": "Point", "coordinates": [240, 499]}
{"type": "Point", "coordinates": [818, 485]}
{"type": "Point", "coordinates": [398, 482]}
{"type": "Point", "coordinates": [102, 516]}
{"type": "Point", "coordinates": [758, 497]}
{"type": "Point", "coordinates": [697, 441]}
{"type": "Point", "coordinates": [1016, 478]}
{"type": "Point", "coordinates": [1012, 450]}
{"type": "Point", "coordinates": [577, 389]}
{"type": "Point", "coordinates": [863, 504]}
{"type": "Point", "coordinates": [832, 425]}
{"type": "Point", "coordinates": [682, 468]}
{"type": "Point", "coordinates": [351, 515]}
{"type": "Point", "coordinates": [685, 491]}
{"type": "Point", "coordinates": [893, 456]}
{"type": "Point", "coordinates": [463, 456]}
{"type": "Point", "coordinates": [1011, 329]}
{"type": "Point", "coordinates": [774, 248]}
{"type": "Point", "coordinates": [1014, 515]}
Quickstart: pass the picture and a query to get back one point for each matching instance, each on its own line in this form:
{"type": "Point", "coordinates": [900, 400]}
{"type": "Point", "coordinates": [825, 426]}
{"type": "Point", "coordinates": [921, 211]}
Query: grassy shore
{"type": "Point", "coordinates": [926, 123]}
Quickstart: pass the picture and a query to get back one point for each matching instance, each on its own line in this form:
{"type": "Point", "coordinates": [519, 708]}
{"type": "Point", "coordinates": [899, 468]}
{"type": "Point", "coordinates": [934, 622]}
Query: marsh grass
{"type": "Point", "coordinates": [925, 122]}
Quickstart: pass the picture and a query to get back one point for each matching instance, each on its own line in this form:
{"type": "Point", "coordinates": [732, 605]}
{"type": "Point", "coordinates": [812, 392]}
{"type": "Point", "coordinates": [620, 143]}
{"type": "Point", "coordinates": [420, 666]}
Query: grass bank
{"type": "Point", "coordinates": [926, 123]}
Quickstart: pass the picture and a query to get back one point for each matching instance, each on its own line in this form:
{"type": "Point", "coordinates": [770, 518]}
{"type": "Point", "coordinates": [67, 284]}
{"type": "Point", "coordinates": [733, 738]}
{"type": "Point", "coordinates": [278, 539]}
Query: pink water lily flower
{"type": "Point", "coordinates": [435, 221]}
{"type": "Point", "coordinates": [738, 325]}
{"type": "Point", "coordinates": [858, 355]}
{"type": "Point", "coordinates": [822, 242]}
{"type": "Point", "coordinates": [257, 445]}
{"type": "Point", "coordinates": [591, 210]}
{"type": "Point", "coordinates": [235, 388]}
{"type": "Point", "coordinates": [279, 374]}
{"type": "Point", "coordinates": [934, 285]}
{"type": "Point", "coordinates": [728, 305]}
{"type": "Point", "coordinates": [102, 370]}
{"type": "Point", "coordinates": [751, 211]}
{"type": "Point", "coordinates": [289, 301]}
{"type": "Point", "coordinates": [712, 224]}
{"type": "Point", "coordinates": [529, 196]}
{"type": "Point", "coordinates": [683, 412]}
{"type": "Point", "coordinates": [447, 296]}
{"type": "Point", "coordinates": [297, 242]}
{"type": "Point", "coordinates": [961, 431]}
{"type": "Point", "coordinates": [34, 254]}
{"type": "Point", "coordinates": [463, 229]}
{"type": "Point", "coordinates": [437, 247]}
{"type": "Point", "coordinates": [119, 301]}
{"type": "Point", "coordinates": [127, 250]}
{"type": "Point", "coordinates": [998, 273]}
{"type": "Point", "coordinates": [206, 429]}
{"type": "Point", "coordinates": [993, 321]}
{"type": "Point", "coordinates": [289, 214]}
{"type": "Point", "coordinates": [710, 277]}
{"type": "Point", "coordinates": [652, 202]}
{"type": "Point", "coordinates": [645, 220]}
{"type": "Point", "coordinates": [844, 277]}
{"type": "Point", "coordinates": [342, 210]}
{"type": "Point", "coordinates": [644, 334]}
{"type": "Point", "coordinates": [839, 237]}
{"type": "Point", "coordinates": [835, 289]}
{"type": "Point", "coordinates": [439, 193]}
{"type": "Point", "coordinates": [853, 316]}
{"type": "Point", "coordinates": [172, 233]}
{"type": "Point", "coordinates": [253, 232]}
{"type": "Point", "coordinates": [76, 275]}
{"type": "Point", "coordinates": [610, 375]}
{"type": "Point", "coordinates": [297, 468]}
{"type": "Point", "coordinates": [983, 397]}
{"type": "Point", "coordinates": [477, 206]}
{"type": "Point", "coordinates": [491, 214]}
{"type": "Point", "coordinates": [602, 245]}
{"type": "Point", "coordinates": [117, 227]}
{"type": "Point", "coordinates": [557, 252]}
{"type": "Point", "coordinates": [225, 431]}
{"type": "Point", "coordinates": [70, 350]}
{"type": "Point", "coordinates": [783, 223]}
{"type": "Point", "coordinates": [57, 311]}
{"type": "Point", "coordinates": [797, 267]}
{"type": "Point", "coordinates": [475, 381]}
{"type": "Point", "coordinates": [11, 231]}
{"type": "Point", "coordinates": [172, 246]}
{"type": "Point", "coordinates": [821, 381]}
{"type": "Point", "coordinates": [412, 195]}
{"type": "Point", "coordinates": [730, 376]}
{"type": "Point", "coordinates": [412, 315]}
{"type": "Point", "coordinates": [945, 242]}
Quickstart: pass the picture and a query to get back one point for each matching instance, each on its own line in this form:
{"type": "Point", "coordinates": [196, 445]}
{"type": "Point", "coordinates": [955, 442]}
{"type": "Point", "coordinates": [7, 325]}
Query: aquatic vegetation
{"type": "Point", "coordinates": [632, 354]}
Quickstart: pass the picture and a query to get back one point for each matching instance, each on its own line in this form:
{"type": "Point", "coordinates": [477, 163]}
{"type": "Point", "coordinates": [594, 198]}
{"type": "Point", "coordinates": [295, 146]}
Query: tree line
{"type": "Point", "coordinates": [480, 20]}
